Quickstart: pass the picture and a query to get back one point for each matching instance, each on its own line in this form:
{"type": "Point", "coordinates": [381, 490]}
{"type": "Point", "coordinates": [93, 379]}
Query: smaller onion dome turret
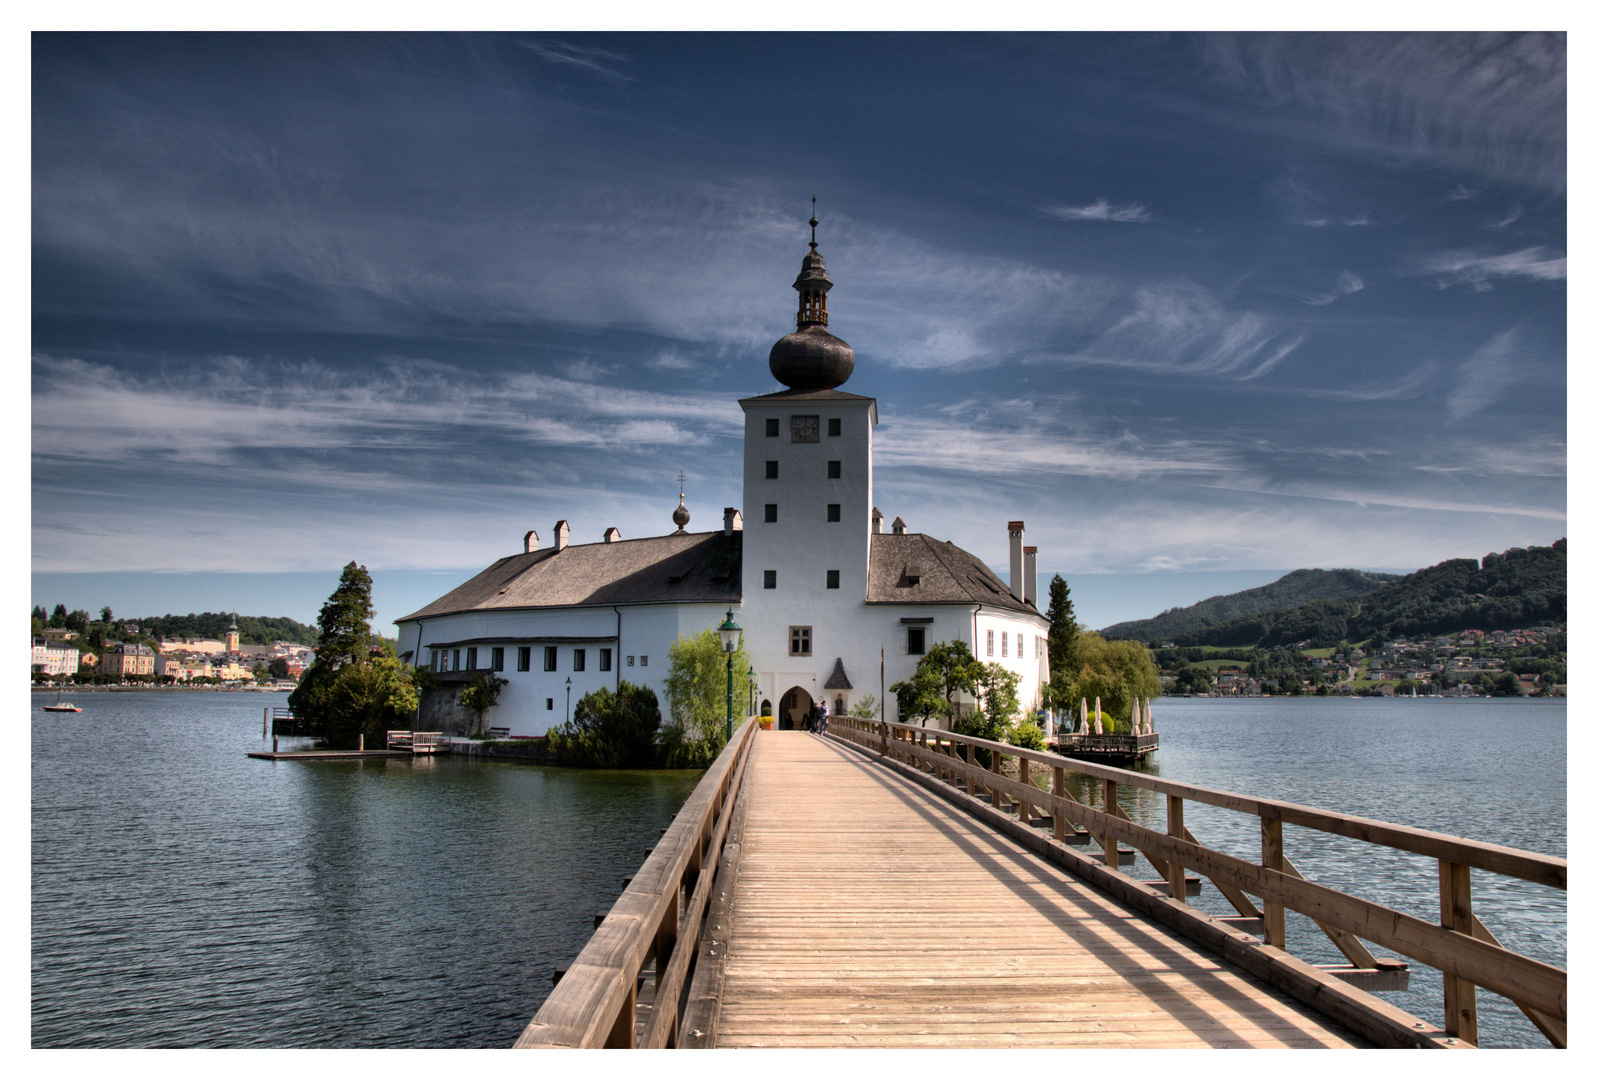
{"type": "Point", "coordinates": [679, 516]}
{"type": "Point", "coordinates": [810, 358]}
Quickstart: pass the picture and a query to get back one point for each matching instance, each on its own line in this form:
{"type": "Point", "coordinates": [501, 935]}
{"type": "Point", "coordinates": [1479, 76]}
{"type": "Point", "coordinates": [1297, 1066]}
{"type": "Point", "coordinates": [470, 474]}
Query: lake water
{"type": "Point", "coordinates": [186, 895]}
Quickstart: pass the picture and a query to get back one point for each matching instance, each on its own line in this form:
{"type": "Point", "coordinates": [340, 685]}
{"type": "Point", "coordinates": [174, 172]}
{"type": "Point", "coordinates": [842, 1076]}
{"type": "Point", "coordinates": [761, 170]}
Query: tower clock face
{"type": "Point", "coordinates": [805, 428]}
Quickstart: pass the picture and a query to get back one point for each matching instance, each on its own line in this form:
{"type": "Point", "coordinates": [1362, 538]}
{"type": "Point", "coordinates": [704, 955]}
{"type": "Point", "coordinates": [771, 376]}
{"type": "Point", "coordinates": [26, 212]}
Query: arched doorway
{"type": "Point", "coordinates": [795, 707]}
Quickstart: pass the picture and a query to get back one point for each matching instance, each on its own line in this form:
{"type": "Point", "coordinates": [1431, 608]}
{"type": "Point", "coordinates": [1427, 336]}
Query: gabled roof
{"type": "Point", "coordinates": [947, 574]}
{"type": "Point", "coordinates": [679, 567]}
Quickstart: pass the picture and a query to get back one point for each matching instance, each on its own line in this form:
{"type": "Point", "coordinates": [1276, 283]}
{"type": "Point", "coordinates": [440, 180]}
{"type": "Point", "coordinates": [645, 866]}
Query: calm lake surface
{"type": "Point", "coordinates": [186, 895]}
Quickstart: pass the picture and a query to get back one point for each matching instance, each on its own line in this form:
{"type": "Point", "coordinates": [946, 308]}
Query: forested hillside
{"type": "Point", "coordinates": [1290, 590]}
{"type": "Point", "coordinates": [253, 629]}
{"type": "Point", "coordinates": [1519, 588]}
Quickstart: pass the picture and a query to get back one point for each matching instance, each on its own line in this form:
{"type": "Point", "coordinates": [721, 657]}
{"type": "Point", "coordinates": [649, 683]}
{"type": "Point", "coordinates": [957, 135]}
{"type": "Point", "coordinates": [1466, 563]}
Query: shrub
{"type": "Point", "coordinates": [1028, 737]}
{"type": "Point", "coordinates": [696, 691]}
{"type": "Point", "coordinates": [610, 729]}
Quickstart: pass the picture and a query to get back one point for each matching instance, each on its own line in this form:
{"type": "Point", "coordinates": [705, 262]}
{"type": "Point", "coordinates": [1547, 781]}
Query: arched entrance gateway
{"type": "Point", "coordinates": [795, 707]}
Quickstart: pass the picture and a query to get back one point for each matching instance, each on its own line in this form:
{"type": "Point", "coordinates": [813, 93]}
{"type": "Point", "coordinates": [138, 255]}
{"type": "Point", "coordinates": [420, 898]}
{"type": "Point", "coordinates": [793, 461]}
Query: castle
{"type": "Point", "coordinates": [832, 605]}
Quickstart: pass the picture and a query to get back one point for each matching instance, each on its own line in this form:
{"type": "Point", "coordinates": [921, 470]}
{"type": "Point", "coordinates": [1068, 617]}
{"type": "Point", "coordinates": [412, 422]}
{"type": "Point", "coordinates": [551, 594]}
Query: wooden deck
{"type": "Point", "coordinates": [868, 912]}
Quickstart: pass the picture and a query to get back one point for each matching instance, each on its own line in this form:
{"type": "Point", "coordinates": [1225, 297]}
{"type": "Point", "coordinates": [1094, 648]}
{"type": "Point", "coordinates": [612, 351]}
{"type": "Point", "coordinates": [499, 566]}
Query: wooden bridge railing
{"type": "Point", "coordinates": [1459, 946]}
{"type": "Point", "coordinates": [596, 1002]}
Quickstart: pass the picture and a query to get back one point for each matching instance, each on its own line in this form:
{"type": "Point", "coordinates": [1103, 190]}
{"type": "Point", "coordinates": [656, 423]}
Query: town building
{"type": "Point", "coordinates": [127, 659]}
{"type": "Point", "coordinates": [52, 657]}
{"type": "Point", "coordinates": [833, 606]}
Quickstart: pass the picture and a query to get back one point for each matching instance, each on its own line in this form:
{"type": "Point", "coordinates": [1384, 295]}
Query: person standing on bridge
{"type": "Point", "coordinates": [821, 717]}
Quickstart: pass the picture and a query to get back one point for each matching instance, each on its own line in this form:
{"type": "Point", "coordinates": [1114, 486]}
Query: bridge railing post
{"type": "Point", "coordinates": [1175, 873]}
{"type": "Point", "coordinates": [1111, 846]}
{"type": "Point", "coordinates": [1459, 996]}
{"type": "Point", "coordinates": [1272, 858]}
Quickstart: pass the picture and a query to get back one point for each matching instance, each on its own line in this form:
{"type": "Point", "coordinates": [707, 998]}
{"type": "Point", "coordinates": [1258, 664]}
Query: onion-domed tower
{"type": "Point", "coordinates": [810, 358]}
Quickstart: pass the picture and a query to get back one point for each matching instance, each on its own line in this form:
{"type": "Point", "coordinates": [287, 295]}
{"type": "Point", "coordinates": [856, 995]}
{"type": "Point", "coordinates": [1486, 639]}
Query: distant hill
{"type": "Point", "coordinates": [1290, 590]}
{"type": "Point", "coordinates": [1518, 588]}
{"type": "Point", "coordinates": [253, 629]}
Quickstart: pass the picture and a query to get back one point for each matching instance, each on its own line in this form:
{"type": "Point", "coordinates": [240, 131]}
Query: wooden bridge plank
{"type": "Point", "coordinates": [867, 913]}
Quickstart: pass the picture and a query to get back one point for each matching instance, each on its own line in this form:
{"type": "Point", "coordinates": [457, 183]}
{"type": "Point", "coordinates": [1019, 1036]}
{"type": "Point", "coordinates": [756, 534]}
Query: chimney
{"type": "Point", "coordinates": [1017, 535]}
{"type": "Point", "coordinates": [1030, 558]}
{"type": "Point", "coordinates": [562, 534]}
{"type": "Point", "coordinates": [612, 535]}
{"type": "Point", "coordinates": [876, 520]}
{"type": "Point", "coordinates": [530, 541]}
{"type": "Point", "coordinates": [898, 526]}
{"type": "Point", "coordinates": [731, 521]}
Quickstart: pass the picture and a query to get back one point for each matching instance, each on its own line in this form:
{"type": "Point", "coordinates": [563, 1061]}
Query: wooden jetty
{"type": "Point", "coordinates": [1125, 749]}
{"type": "Point", "coordinates": [883, 886]}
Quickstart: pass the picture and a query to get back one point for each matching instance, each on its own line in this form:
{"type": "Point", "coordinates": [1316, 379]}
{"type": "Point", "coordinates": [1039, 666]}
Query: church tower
{"type": "Point", "coordinates": [233, 634]}
{"type": "Point", "coordinates": [807, 501]}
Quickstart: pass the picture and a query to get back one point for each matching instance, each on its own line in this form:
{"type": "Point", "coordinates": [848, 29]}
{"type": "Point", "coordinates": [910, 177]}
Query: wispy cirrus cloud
{"type": "Point", "coordinates": [1181, 328]}
{"type": "Point", "coordinates": [1324, 221]}
{"type": "Point", "coordinates": [1346, 283]}
{"type": "Point", "coordinates": [1101, 210]}
{"type": "Point", "coordinates": [601, 62]}
{"type": "Point", "coordinates": [1494, 103]}
{"type": "Point", "coordinates": [1451, 268]}
{"type": "Point", "coordinates": [1484, 375]}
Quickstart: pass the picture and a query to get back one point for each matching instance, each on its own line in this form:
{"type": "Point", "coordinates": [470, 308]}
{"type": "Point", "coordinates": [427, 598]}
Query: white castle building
{"type": "Point", "coordinates": [832, 606]}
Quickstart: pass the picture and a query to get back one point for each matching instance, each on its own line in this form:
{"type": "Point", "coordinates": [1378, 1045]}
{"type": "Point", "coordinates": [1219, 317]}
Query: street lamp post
{"type": "Point", "coordinates": [729, 632]}
{"type": "Point", "coordinates": [568, 699]}
{"type": "Point", "coordinates": [754, 690]}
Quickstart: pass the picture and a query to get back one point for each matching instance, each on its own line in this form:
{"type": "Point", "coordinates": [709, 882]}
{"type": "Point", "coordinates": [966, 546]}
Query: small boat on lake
{"type": "Point", "coordinates": [61, 706]}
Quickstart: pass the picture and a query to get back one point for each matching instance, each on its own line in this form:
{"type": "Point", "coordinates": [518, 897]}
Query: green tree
{"type": "Point", "coordinates": [258, 670]}
{"type": "Point", "coordinates": [1063, 631]}
{"type": "Point", "coordinates": [1114, 672]}
{"type": "Point", "coordinates": [58, 617]}
{"type": "Point", "coordinates": [105, 614]}
{"type": "Point", "coordinates": [696, 696]}
{"type": "Point", "coordinates": [996, 687]}
{"type": "Point", "coordinates": [1508, 684]}
{"type": "Point", "coordinates": [481, 694]}
{"type": "Point", "coordinates": [946, 669]}
{"type": "Point", "coordinates": [611, 729]}
{"type": "Point", "coordinates": [352, 688]}
{"type": "Point", "coordinates": [278, 668]}
{"type": "Point", "coordinates": [866, 705]}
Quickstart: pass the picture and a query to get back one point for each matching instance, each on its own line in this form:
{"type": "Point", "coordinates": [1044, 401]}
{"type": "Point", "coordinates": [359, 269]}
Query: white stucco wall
{"type": "Point", "coordinates": [534, 701]}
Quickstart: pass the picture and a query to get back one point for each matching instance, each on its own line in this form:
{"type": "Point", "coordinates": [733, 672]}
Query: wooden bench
{"type": "Point", "coordinates": [499, 733]}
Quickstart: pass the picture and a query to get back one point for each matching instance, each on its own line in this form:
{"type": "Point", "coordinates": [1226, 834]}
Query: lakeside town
{"type": "Point", "coordinates": [1467, 663]}
{"type": "Point", "coordinates": [64, 655]}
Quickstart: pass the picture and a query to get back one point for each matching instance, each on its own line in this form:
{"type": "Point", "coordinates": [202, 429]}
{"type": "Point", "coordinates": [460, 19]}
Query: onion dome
{"type": "Point", "coordinates": [810, 358]}
{"type": "Point", "coordinates": [679, 516]}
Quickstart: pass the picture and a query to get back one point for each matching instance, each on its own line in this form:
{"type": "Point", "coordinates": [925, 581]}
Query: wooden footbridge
{"type": "Point", "coordinates": [887, 886]}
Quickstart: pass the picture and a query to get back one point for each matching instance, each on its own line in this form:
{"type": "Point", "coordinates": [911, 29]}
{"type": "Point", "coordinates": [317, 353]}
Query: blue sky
{"type": "Point", "coordinates": [1199, 308]}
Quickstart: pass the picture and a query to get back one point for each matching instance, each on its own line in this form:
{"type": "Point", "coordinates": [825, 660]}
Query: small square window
{"type": "Point", "coordinates": [643, 661]}
{"type": "Point", "coordinates": [834, 426]}
{"type": "Point", "coordinates": [770, 579]}
{"type": "Point", "coordinates": [497, 658]}
{"type": "Point", "coordinates": [549, 658]}
{"type": "Point", "coordinates": [629, 661]}
{"type": "Point", "coordinates": [771, 470]}
{"type": "Point", "coordinates": [916, 640]}
{"type": "Point", "coordinates": [990, 642]}
{"type": "Point", "coordinates": [798, 641]}
{"type": "Point", "coordinates": [579, 659]}
{"type": "Point", "coordinates": [832, 579]}
{"type": "Point", "coordinates": [834, 511]}
{"type": "Point", "coordinates": [524, 658]}
{"type": "Point", "coordinates": [604, 659]}
{"type": "Point", "coordinates": [771, 428]}
{"type": "Point", "coordinates": [834, 470]}
{"type": "Point", "coordinates": [771, 511]}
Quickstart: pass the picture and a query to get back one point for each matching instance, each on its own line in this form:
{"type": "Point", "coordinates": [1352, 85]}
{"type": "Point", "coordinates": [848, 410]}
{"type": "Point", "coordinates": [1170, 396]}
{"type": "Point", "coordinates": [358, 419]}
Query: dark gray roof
{"type": "Point", "coordinates": [839, 679]}
{"type": "Point", "coordinates": [807, 395]}
{"type": "Point", "coordinates": [680, 567]}
{"type": "Point", "coordinates": [948, 575]}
